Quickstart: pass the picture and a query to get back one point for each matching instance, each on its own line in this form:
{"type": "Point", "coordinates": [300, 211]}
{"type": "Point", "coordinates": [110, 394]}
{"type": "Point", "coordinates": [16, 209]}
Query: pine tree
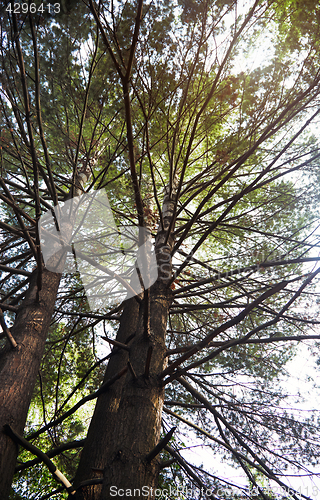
{"type": "Point", "coordinates": [145, 103]}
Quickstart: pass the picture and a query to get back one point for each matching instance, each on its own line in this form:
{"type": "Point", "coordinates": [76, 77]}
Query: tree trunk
{"type": "Point", "coordinates": [127, 420]}
{"type": "Point", "coordinates": [93, 453]}
{"type": "Point", "coordinates": [19, 367]}
{"type": "Point", "coordinates": [126, 423]}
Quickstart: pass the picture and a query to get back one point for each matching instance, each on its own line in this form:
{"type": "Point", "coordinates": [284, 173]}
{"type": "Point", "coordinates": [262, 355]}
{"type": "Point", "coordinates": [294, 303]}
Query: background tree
{"type": "Point", "coordinates": [148, 104]}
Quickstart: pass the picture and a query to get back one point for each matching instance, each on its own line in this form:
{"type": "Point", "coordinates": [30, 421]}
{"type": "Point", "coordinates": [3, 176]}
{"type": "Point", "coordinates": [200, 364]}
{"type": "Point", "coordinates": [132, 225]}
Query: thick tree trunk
{"type": "Point", "coordinates": [19, 368]}
{"type": "Point", "coordinates": [93, 454]}
{"type": "Point", "coordinates": [127, 420]}
{"type": "Point", "coordinates": [126, 423]}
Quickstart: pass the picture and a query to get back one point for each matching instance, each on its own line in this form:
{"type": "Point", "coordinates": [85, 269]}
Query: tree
{"type": "Point", "coordinates": [145, 103]}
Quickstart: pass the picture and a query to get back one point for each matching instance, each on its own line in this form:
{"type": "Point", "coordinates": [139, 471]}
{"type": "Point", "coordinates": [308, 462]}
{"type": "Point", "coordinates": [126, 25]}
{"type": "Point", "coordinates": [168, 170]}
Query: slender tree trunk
{"type": "Point", "coordinates": [138, 426]}
{"type": "Point", "coordinates": [19, 367]}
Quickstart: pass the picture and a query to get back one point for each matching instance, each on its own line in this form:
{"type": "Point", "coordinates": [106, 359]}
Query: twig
{"type": "Point", "coordinates": [187, 469]}
{"type": "Point", "coordinates": [34, 248]}
{"type": "Point", "coordinates": [54, 492]}
{"type": "Point", "coordinates": [234, 321]}
{"type": "Point", "coordinates": [161, 445]}
{"type": "Point", "coordinates": [74, 390]}
{"type": "Point", "coordinates": [80, 403]}
{"type": "Point", "coordinates": [239, 270]}
{"type": "Point", "coordinates": [259, 464]}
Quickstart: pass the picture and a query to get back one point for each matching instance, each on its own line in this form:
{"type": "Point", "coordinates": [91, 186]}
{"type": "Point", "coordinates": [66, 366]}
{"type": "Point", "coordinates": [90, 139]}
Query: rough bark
{"type": "Point", "coordinates": [19, 367]}
{"type": "Point", "coordinates": [137, 429]}
{"type": "Point", "coordinates": [93, 454]}
{"type": "Point", "coordinates": [127, 420]}
{"type": "Point", "coordinates": [126, 423]}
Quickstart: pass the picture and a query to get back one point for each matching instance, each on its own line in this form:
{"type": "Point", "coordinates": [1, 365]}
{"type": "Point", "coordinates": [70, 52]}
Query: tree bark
{"type": "Point", "coordinates": [127, 419]}
{"type": "Point", "coordinates": [19, 367]}
{"type": "Point", "coordinates": [126, 423]}
{"type": "Point", "coordinates": [93, 453]}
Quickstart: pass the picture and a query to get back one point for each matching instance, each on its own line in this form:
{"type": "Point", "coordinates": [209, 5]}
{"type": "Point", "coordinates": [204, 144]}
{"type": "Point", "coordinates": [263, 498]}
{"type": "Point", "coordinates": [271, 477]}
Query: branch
{"type": "Point", "coordinates": [8, 307]}
{"type": "Point", "coordinates": [210, 95]}
{"type": "Point", "coordinates": [134, 39]}
{"type": "Point", "coordinates": [32, 151]}
{"type": "Point", "coordinates": [212, 438]}
{"type": "Point", "coordinates": [54, 492]}
{"type": "Point", "coordinates": [117, 344]}
{"type": "Point", "coordinates": [244, 339]}
{"type": "Point", "coordinates": [52, 453]}
{"type": "Point", "coordinates": [42, 456]}
{"type": "Point", "coordinates": [74, 390]}
{"type": "Point", "coordinates": [105, 39]}
{"type": "Point", "coordinates": [80, 403]}
{"type": "Point", "coordinates": [160, 446]}
{"type": "Point", "coordinates": [137, 193]}
{"type": "Point", "coordinates": [234, 321]}
{"type": "Point", "coordinates": [270, 130]}
{"type": "Point", "coordinates": [183, 405]}
{"type": "Point", "coordinates": [14, 270]}
{"type": "Point", "coordinates": [239, 270]}
{"type": "Point", "coordinates": [51, 184]}
{"type": "Point", "coordinates": [188, 470]}
{"type": "Point", "coordinates": [197, 395]}
{"type": "Point", "coordinates": [11, 202]}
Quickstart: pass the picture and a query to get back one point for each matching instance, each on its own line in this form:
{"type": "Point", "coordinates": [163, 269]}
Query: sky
{"type": "Point", "coordinates": [302, 371]}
